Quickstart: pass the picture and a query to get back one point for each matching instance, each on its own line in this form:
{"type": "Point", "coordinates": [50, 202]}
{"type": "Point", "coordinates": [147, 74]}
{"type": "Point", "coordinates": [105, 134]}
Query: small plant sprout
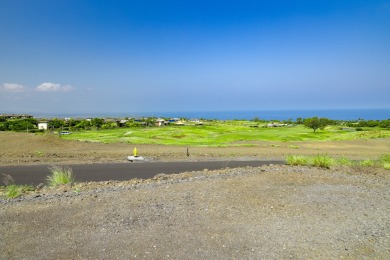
{"type": "Point", "coordinates": [60, 176]}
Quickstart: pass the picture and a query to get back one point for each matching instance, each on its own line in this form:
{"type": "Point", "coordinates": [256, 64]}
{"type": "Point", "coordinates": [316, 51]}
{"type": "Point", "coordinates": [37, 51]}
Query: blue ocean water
{"type": "Point", "coordinates": [335, 114]}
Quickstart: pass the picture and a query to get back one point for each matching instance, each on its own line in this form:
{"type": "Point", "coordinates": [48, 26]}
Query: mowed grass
{"type": "Point", "coordinates": [218, 134]}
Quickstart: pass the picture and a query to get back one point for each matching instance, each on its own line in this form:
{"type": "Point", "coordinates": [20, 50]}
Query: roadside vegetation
{"type": "Point", "coordinates": [325, 161]}
{"type": "Point", "coordinates": [11, 190]}
{"type": "Point", "coordinates": [60, 175]}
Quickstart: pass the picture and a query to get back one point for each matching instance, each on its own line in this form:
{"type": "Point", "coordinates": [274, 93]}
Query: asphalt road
{"type": "Point", "coordinates": [36, 174]}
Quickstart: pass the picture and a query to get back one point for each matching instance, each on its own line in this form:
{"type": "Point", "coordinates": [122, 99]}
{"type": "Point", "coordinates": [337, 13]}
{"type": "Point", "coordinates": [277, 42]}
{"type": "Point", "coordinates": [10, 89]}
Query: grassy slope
{"type": "Point", "coordinates": [220, 134]}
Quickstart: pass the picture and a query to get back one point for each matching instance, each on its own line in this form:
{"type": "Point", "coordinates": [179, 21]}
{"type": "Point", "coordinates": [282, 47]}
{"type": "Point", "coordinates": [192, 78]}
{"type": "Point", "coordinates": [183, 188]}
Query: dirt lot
{"type": "Point", "coordinates": [23, 148]}
{"type": "Point", "coordinates": [270, 212]}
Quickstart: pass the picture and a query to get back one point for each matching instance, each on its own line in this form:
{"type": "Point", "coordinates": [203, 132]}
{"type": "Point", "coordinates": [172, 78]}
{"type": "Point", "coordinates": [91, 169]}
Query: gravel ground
{"type": "Point", "coordinates": [269, 212]}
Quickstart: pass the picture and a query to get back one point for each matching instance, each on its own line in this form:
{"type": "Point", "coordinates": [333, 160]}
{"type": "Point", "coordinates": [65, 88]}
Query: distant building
{"type": "Point", "coordinates": [160, 122]}
{"type": "Point", "coordinates": [43, 126]}
{"type": "Point", "coordinates": [174, 120]}
{"type": "Point", "coordinates": [16, 116]}
{"type": "Point", "coordinates": [180, 123]}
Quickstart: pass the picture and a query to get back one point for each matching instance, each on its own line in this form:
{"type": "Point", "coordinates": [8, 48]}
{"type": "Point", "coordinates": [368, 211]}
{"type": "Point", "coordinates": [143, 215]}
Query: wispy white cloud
{"type": "Point", "coordinates": [53, 87]}
{"type": "Point", "coordinates": [12, 87]}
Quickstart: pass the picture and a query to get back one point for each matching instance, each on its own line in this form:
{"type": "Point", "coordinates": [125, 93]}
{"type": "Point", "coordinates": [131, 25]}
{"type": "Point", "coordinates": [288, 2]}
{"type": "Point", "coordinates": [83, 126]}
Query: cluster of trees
{"type": "Point", "coordinates": [31, 124]}
{"type": "Point", "coordinates": [320, 123]}
{"type": "Point", "coordinates": [316, 123]}
{"type": "Point", "coordinates": [370, 123]}
{"type": "Point", "coordinates": [28, 124]}
{"type": "Point", "coordinates": [97, 123]}
{"type": "Point", "coordinates": [74, 124]}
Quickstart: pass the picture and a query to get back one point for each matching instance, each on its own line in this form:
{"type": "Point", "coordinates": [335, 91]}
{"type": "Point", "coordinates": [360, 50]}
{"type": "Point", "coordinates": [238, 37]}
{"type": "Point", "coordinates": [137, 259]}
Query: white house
{"type": "Point", "coordinates": [160, 122]}
{"type": "Point", "coordinates": [42, 126]}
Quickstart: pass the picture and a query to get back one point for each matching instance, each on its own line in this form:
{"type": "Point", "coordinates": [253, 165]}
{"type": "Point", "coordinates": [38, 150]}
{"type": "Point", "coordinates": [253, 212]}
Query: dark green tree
{"type": "Point", "coordinates": [299, 121]}
{"type": "Point", "coordinates": [83, 124]}
{"type": "Point", "coordinates": [97, 122]}
{"type": "Point", "coordinates": [56, 123]}
{"type": "Point", "coordinates": [3, 126]}
{"type": "Point", "coordinates": [21, 124]}
{"type": "Point", "coordinates": [316, 123]}
{"type": "Point", "coordinates": [385, 123]}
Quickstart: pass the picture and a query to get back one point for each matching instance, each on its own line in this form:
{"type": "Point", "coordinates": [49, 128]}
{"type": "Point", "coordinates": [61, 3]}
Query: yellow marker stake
{"type": "Point", "coordinates": [135, 152]}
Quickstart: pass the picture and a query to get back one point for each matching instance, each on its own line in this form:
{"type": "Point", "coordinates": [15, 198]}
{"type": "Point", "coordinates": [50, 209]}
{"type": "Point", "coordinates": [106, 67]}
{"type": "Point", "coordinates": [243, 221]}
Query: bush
{"type": "Point", "coordinates": [296, 160]}
{"type": "Point", "coordinates": [385, 158]}
{"type": "Point", "coordinates": [367, 163]}
{"type": "Point", "coordinates": [385, 161]}
{"type": "Point", "coordinates": [344, 161]}
{"type": "Point", "coordinates": [60, 176]}
{"type": "Point", "coordinates": [323, 161]}
{"type": "Point", "coordinates": [12, 190]}
{"type": "Point", "coordinates": [386, 166]}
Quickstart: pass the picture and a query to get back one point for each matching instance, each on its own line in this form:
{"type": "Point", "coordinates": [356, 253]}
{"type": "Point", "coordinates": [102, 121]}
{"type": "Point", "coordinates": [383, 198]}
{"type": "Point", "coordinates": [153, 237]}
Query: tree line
{"type": "Point", "coordinates": [31, 124]}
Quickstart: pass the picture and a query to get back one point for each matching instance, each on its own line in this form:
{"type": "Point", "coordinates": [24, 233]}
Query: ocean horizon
{"type": "Point", "coordinates": [335, 114]}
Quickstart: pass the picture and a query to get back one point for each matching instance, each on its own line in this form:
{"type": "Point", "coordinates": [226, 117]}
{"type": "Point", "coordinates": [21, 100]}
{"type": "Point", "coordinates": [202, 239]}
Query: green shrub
{"type": "Point", "coordinates": [296, 160]}
{"type": "Point", "coordinates": [367, 163]}
{"type": "Point", "coordinates": [60, 176]}
{"type": "Point", "coordinates": [385, 158]}
{"type": "Point", "coordinates": [386, 166]}
{"type": "Point", "coordinates": [13, 191]}
{"type": "Point", "coordinates": [344, 161]}
{"type": "Point", "coordinates": [323, 161]}
{"type": "Point", "coordinates": [385, 161]}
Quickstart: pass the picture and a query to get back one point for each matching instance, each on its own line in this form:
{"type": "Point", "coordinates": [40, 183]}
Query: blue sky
{"type": "Point", "coordinates": [93, 56]}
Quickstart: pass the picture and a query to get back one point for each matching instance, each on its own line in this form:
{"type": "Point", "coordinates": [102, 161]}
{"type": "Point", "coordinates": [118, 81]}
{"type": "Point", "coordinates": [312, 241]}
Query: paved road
{"type": "Point", "coordinates": [33, 175]}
